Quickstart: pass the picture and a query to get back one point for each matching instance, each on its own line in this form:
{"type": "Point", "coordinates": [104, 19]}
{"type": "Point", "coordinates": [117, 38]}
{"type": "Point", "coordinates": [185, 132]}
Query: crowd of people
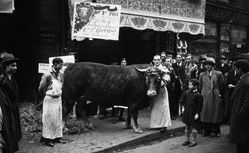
{"type": "Point", "coordinates": [205, 93]}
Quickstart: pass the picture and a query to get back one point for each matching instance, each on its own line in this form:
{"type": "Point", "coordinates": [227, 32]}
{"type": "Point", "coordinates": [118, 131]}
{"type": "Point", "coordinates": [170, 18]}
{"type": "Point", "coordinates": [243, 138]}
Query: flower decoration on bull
{"type": "Point", "coordinates": [84, 14]}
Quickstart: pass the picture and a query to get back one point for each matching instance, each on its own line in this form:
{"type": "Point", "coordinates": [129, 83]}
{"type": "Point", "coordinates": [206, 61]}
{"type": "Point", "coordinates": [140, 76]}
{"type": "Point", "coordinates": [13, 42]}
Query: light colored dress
{"type": "Point", "coordinates": [160, 113]}
{"type": "Point", "coordinates": [52, 110]}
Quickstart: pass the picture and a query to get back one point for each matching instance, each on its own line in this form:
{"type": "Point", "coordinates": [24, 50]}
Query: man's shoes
{"type": "Point", "coordinates": [200, 132]}
{"type": "Point", "coordinates": [216, 135]}
{"type": "Point", "coordinates": [121, 119]}
{"type": "Point", "coordinates": [205, 134]}
{"type": "Point", "coordinates": [50, 144]}
{"type": "Point", "coordinates": [192, 144]}
{"type": "Point", "coordinates": [164, 129]}
{"type": "Point", "coordinates": [185, 143]}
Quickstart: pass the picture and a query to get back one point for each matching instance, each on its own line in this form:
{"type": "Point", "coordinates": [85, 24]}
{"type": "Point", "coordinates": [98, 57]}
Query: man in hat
{"type": "Point", "coordinates": [179, 87]}
{"type": "Point", "coordinates": [10, 87]}
{"type": "Point", "coordinates": [239, 133]}
{"type": "Point", "coordinates": [223, 65]}
{"type": "Point", "coordinates": [211, 83]}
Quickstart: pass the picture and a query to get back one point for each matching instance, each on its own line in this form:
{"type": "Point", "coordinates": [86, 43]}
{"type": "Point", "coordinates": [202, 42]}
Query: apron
{"type": "Point", "coordinates": [52, 111]}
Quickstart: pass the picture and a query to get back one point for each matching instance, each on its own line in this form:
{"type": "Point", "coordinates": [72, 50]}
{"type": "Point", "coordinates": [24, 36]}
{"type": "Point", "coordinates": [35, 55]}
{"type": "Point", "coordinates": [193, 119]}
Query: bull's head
{"type": "Point", "coordinates": [153, 80]}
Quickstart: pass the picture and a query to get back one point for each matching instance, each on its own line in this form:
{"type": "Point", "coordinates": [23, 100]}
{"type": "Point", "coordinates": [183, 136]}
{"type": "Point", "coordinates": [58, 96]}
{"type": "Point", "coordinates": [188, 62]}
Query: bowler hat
{"type": "Point", "coordinates": [203, 57]}
{"type": "Point", "coordinates": [210, 60]}
{"type": "Point", "coordinates": [7, 57]}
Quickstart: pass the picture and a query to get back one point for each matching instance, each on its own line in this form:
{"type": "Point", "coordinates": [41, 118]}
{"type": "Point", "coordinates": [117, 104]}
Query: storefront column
{"type": "Point", "coordinates": [218, 40]}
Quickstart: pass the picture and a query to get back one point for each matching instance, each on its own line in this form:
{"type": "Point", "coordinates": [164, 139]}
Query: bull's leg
{"type": "Point", "coordinates": [82, 114]}
{"type": "Point", "coordinates": [134, 117]}
{"type": "Point", "coordinates": [128, 119]}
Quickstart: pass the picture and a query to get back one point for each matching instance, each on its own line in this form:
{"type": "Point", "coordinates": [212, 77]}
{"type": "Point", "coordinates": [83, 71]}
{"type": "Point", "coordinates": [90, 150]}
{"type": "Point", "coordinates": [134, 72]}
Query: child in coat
{"type": "Point", "coordinates": [191, 101]}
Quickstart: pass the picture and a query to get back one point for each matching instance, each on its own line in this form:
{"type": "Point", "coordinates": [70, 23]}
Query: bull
{"type": "Point", "coordinates": [110, 85]}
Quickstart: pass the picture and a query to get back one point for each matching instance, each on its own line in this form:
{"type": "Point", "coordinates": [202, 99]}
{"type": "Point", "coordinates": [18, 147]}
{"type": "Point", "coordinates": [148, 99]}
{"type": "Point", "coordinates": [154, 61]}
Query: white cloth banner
{"type": "Point", "coordinates": [6, 6]}
{"type": "Point", "coordinates": [95, 20]}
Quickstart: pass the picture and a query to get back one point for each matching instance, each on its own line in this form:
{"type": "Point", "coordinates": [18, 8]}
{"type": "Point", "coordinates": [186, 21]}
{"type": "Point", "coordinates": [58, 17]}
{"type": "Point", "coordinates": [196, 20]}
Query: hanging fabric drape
{"type": "Point", "coordinates": [162, 15]}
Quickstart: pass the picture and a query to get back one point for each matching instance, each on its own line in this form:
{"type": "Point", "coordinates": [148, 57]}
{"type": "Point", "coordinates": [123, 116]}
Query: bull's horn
{"type": "Point", "coordinates": [142, 70]}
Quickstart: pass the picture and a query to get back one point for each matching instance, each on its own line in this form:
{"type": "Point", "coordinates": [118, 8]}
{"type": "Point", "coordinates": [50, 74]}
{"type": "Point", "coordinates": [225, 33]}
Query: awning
{"type": "Point", "coordinates": [6, 6]}
{"type": "Point", "coordinates": [162, 15]}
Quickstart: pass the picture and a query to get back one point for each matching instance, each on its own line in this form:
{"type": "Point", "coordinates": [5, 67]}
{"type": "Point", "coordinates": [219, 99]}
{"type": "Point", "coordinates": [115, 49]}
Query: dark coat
{"type": "Point", "coordinates": [192, 102]}
{"type": "Point", "coordinates": [231, 79]}
{"type": "Point", "coordinates": [224, 69]}
{"type": "Point", "coordinates": [8, 125]}
{"type": "Point", "coordinates": [239, 132]}
{"type": "Point", "coordinates": [10, 89]}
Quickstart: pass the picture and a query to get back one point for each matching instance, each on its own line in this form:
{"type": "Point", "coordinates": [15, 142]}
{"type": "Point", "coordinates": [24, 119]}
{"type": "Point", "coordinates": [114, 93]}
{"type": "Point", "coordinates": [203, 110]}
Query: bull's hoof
{"type": "Point", "coordinates": [138, 130]}
{"type": "Point", "coordinates": [90, 126]}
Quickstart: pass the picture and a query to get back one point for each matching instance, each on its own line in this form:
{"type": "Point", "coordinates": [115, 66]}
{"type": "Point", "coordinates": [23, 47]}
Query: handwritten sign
{"type": "Point", "coordinates": [43, 67]}
{"type": "Point", "coordinates": [95, 20]}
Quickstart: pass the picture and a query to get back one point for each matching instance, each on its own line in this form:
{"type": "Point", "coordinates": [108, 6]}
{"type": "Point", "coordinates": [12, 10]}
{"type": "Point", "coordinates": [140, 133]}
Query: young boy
{"type": "Point", "coordinates": [192, 104]}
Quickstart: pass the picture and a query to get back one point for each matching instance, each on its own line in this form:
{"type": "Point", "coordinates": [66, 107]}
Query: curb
{"type": "Point", "coordinates": [145, 140]}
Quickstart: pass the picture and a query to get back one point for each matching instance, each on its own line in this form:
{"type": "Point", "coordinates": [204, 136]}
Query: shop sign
{"type": "Point", "coordinates": [226, 15]}
{"type": "Point", "coordinates": [7, 6]}
{"type": "Point", "coordinates": [95, 20]}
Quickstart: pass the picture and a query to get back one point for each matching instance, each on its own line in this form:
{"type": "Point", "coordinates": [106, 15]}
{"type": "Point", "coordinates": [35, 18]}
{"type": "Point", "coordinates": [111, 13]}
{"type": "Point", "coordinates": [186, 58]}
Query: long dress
{"type": "Point", "coordinates": [160, 113]}
{"type": "Point", "coordinates": [52, 111]}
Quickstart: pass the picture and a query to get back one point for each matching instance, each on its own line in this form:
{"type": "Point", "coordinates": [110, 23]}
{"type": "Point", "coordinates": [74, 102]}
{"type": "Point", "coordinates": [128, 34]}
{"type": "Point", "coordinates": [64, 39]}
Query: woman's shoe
{"type": "Point", "coordinates": [185, 143]}
{"type": "Point", "coordinates": [192, 144]}
{"type": "Point", "coordinates": [50, 144]}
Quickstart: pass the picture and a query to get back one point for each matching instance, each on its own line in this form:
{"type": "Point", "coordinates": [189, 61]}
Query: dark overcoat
{"type": "Point", "coordinates": [239, 132]}
{"type": "Point", "coordinates": [10, 89]}
{"type": "Point", "coordinates": [210, 87]}
{"type": "Point", "coordinates": [192, 102]}
{"type": "Point", "coordinates": [8, 125]}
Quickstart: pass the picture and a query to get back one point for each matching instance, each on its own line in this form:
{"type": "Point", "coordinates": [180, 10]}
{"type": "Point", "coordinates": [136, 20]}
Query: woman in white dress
{"type": "Point", "coordinates": [160, 113]}
{"type": "Point", "coordinates": [51, 88]}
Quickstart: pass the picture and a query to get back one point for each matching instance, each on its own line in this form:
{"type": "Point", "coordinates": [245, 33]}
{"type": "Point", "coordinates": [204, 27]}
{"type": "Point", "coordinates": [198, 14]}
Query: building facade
{"type": "Point", "coordinates": [41, 29]}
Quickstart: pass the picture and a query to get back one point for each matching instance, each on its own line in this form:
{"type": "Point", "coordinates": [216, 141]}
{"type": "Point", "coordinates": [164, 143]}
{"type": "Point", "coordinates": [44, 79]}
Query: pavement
{"type": "Point", "coordinates": [107, 137]}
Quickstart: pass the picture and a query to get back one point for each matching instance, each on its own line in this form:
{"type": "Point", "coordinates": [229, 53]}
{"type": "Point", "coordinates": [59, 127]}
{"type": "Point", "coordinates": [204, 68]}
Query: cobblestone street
{"type": "Point", "coordinates": [105, 136]}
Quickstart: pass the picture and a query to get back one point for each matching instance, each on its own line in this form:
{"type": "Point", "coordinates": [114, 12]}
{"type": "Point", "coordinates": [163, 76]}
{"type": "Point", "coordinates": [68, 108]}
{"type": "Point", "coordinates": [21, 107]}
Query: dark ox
{"type": "Point", "coordinates": [110, 85]}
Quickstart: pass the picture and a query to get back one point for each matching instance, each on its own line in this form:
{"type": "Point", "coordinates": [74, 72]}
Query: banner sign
{"type": "Point", "coordinates": [6, 6]}
{"type": "Point", "coordinates": [95, 20]}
